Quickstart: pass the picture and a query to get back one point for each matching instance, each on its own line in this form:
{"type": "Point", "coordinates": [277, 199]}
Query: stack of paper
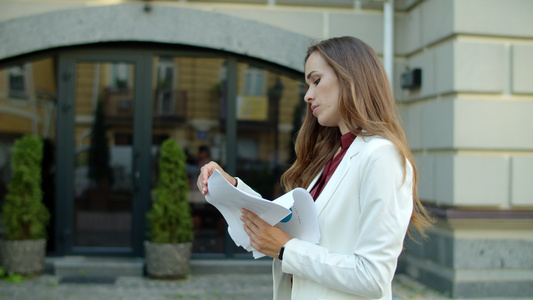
{"type": "Point", "coordinates": [295, 212]}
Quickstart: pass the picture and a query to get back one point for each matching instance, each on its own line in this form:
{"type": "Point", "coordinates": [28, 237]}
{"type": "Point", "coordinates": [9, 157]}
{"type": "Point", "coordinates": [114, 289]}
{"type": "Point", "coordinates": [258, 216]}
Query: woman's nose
{"type": "Point", "coordinates": [308, 96]}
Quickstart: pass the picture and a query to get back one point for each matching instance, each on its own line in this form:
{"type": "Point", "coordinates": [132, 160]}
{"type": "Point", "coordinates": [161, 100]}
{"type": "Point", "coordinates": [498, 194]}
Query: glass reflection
{"type": "Point", "coordinates": [266, 104]}
{"type": "Point", "coordinates": [103, 161]}
{"type": "Point", "coordinates": [186, 106]}
{"type": "Point", "coordinates": [28, 99]}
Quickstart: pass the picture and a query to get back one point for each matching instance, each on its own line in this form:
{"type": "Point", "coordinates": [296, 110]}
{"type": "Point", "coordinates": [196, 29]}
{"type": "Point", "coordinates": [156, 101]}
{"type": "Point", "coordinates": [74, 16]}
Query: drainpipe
{"type": "Point", "coordinates": [388, 39]}
{"type": "Point", "coordinates": [28, 75]}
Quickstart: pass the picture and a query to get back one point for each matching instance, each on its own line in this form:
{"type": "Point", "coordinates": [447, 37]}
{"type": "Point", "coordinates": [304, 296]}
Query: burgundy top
{"type": "Point", "coordinates": [332, 164]}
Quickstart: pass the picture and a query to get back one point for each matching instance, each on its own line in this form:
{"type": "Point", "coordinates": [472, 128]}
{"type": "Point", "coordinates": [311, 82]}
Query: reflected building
{"type": "Point", "coordinates": [184, 97]}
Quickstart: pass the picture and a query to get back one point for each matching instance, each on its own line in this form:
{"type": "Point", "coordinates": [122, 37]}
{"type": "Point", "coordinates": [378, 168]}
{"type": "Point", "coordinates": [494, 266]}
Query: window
{"type": "Point", "coordinates": [254, 82]}
{"type": "Point", "coordinates": [120, 76]}
{"type": "Point", "coordinates": [17, 82]}
{"type": "Point", "coordinates": [252, 102]}
{"type": "Point", "coordinates": [166, 69]}
{"type": "Point", "coordinates": [247, 149]}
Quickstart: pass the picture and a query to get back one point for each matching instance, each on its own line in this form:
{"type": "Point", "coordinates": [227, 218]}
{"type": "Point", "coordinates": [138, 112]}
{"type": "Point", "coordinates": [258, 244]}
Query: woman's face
{"type": "Point", "coordinates": [323, 92]}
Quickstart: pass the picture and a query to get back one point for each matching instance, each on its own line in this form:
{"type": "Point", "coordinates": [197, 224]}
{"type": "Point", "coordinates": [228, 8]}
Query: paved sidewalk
{"type": "Point", "coordinates": [405, 288]}
{"type": "Point", "coordinates": [197, 286]}
{"type": "Point", "coordinates": [202, 286]}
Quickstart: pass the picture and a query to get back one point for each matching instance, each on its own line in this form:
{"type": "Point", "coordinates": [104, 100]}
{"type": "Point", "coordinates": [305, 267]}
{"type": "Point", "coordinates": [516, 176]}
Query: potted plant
{"type": "Point", "coordinates": [24, 215]}
{"type": "Point", "coordinates": [170, 224]}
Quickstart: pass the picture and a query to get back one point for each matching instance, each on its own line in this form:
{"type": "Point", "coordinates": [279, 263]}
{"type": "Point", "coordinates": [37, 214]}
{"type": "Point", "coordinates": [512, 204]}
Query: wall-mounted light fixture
{"type": "Point", "coordinates": [147, 6]}
{"type": "Point", "coordinates": [411, 79]}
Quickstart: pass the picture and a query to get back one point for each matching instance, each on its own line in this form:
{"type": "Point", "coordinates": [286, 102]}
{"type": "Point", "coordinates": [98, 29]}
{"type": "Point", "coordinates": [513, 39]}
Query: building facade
{"type": "Point", "coordinates": [224, 78]}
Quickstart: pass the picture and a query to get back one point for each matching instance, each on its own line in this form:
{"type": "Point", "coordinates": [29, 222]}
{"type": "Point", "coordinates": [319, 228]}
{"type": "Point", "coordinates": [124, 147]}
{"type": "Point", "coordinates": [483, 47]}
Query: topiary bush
{"type": "Point", "coordinates": [170, 219]}
{"type": "Point", "coordinates": [24, 215]}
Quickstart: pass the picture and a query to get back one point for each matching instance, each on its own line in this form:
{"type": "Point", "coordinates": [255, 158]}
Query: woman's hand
{"type": "Point", "coordinates": [205, 173]}
{"type": "Point", "coordinates": [263, 237]}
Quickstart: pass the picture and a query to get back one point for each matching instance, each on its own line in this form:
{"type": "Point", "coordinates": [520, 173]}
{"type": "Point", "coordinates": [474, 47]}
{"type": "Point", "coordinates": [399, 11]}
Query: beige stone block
{"type": "Point", "coordinates": [443, 179]}
{"type": "Point", "coordinates": [461, 66]}
{"type": "Point", "coordinates": [312, 3]}
{"type": "Point", "coordinates": [493, 124]}
{"type": "Point", "coordinates": [437, 124]}
{"type": "Point", "coordinates": [479, 67]}
{"type": "Point", "coordinates": [472, 180]}
{"type": "Point", "coordinates": [308, 23]}
{"type": "Point", "coordinates": [444, 68]}
{"type": "Point", "coordinates": [407, 32]}
{"type": "Point", "coordinates": [522, 68]}
{"type": "Point", "coordinates": [436, 20]}
{"type": "Point", "coordinates": [405, 4]}
{"type": "Point", "coordinates": [494, 17]}
{"type": "Point", "coordinates": [522, 181]}
{"type": "Point", "coordinates": [426, 177]}
{"type": "Point", "coordinates": [481, 180]}
{"type": "Point", "coordinates": [411, 117]}
{"type": "Point", "coordinates": [469, 124]}
{"type": "Point", "coordinates": [367, 27]}
{"type": "Point", "coordinates": [17, 9]}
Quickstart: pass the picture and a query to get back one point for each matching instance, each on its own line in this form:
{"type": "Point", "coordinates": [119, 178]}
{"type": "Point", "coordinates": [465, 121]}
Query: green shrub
{"type": "Point", "coordinates": [169, 219]}
{"type": "Point", "coordinates": [24, 215]}
{"type": "Point", "coordinates": [15, 278]}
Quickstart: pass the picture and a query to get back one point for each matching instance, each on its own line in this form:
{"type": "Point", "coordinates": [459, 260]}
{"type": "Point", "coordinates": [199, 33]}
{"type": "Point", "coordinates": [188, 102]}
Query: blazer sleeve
{"type": "Point", "coordinates": [245, 188]}
{"type": "Point", "coordinates": [385, 211]}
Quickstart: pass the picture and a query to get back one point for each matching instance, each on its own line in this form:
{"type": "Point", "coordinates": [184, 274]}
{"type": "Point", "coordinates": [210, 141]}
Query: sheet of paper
{"type": "Point", "coordinates": [296, 209]}
{"type": "Point", "coordinates": [303, 222]}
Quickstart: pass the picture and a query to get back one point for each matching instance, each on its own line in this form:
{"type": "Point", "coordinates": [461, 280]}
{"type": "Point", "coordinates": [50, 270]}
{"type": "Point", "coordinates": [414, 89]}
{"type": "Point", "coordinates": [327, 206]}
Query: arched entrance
{"type": "Point", "coordinates": [217, 91]}
{"type": "Point", "coordinates": [211, 102]}
{"type": "Point", "coordinates": [169, 24]}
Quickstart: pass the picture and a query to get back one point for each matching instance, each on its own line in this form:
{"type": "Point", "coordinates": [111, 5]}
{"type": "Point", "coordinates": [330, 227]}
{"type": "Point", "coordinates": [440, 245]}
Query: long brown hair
{"type": "Point", "coordinates": [366, 102]}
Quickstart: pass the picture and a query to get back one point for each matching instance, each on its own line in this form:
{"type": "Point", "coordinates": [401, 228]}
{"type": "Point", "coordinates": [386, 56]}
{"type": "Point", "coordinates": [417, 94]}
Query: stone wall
{"type": "Point", "coordinates": [470, 128]}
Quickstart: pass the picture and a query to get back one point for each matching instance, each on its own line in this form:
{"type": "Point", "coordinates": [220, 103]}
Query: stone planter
{"type": "Point", "coordinates": [23, 257]}
{"type": "Point", "coordinates": [167, 260]}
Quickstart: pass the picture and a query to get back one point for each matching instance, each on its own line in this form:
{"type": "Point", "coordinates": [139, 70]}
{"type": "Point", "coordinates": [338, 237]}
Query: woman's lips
{"type": "Point", "coordinates": [313, 108]}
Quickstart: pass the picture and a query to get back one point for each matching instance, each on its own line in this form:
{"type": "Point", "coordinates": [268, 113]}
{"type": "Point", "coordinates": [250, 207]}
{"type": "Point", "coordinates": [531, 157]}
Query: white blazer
{"type": "Point", "coordinates": [364, 213]}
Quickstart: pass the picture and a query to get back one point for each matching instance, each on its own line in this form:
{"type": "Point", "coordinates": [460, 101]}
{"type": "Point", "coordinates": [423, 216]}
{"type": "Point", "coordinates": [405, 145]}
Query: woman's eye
{"type": "Point", "coordinates": [316, 81]}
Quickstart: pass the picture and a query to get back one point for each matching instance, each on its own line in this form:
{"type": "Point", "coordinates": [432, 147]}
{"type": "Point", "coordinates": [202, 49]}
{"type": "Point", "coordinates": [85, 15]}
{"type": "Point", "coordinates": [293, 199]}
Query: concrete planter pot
{"type": "Point", "coordinates": [167, 260]}
{"type": "Point", "coordinates": [23, 257]}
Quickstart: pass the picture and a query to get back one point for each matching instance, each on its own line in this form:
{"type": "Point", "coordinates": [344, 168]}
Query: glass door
{"type": "Point", "coordinates": [186, 105]}
{"type": "Point", "coordinates": [106, 153]}
{"type": "Point", "coordinates": [103, 161]}
{"type": "Point", "coordinates": [114, 110]}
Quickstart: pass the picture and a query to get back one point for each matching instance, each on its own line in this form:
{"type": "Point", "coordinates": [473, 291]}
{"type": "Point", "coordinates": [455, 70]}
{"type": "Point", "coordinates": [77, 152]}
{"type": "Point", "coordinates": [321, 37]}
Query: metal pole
{"type": "Point", "coordinates": [388, 39]}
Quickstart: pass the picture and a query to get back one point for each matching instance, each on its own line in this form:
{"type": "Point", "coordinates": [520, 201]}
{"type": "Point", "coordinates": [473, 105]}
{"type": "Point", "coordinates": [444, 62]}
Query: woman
{"type": "Point", "coordinates": [353, 157]}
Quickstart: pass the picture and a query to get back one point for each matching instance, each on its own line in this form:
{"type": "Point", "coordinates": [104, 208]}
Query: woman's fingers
{"type": "Point", "coordinates": [205, 172]}
{"type": "Point", "coordinates": [264, 238]}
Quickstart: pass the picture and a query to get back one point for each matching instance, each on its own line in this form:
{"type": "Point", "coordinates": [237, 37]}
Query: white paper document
{"type": "Point", "coordinates": [294, 212]}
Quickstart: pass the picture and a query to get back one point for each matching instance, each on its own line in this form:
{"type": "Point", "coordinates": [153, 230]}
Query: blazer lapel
{"type": "Point", "coordinates": [336, 178]}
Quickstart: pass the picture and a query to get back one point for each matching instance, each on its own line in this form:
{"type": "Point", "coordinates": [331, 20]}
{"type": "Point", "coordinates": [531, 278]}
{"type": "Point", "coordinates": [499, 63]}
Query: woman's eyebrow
{"type": "Point", "coordinates": [310, 74]}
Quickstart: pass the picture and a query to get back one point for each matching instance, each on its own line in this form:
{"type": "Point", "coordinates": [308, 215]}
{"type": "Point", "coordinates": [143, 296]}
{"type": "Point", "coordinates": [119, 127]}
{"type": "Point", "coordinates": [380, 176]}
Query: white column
{"type": "Point", "coordinates": [388, 39]}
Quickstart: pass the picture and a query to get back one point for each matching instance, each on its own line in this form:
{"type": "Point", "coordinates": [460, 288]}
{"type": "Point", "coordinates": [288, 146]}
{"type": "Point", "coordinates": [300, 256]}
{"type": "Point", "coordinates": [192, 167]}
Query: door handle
{"type": "Point", "coordinates": [136, 173]}
{"type": "Point", "coordinates": [66, 107]}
